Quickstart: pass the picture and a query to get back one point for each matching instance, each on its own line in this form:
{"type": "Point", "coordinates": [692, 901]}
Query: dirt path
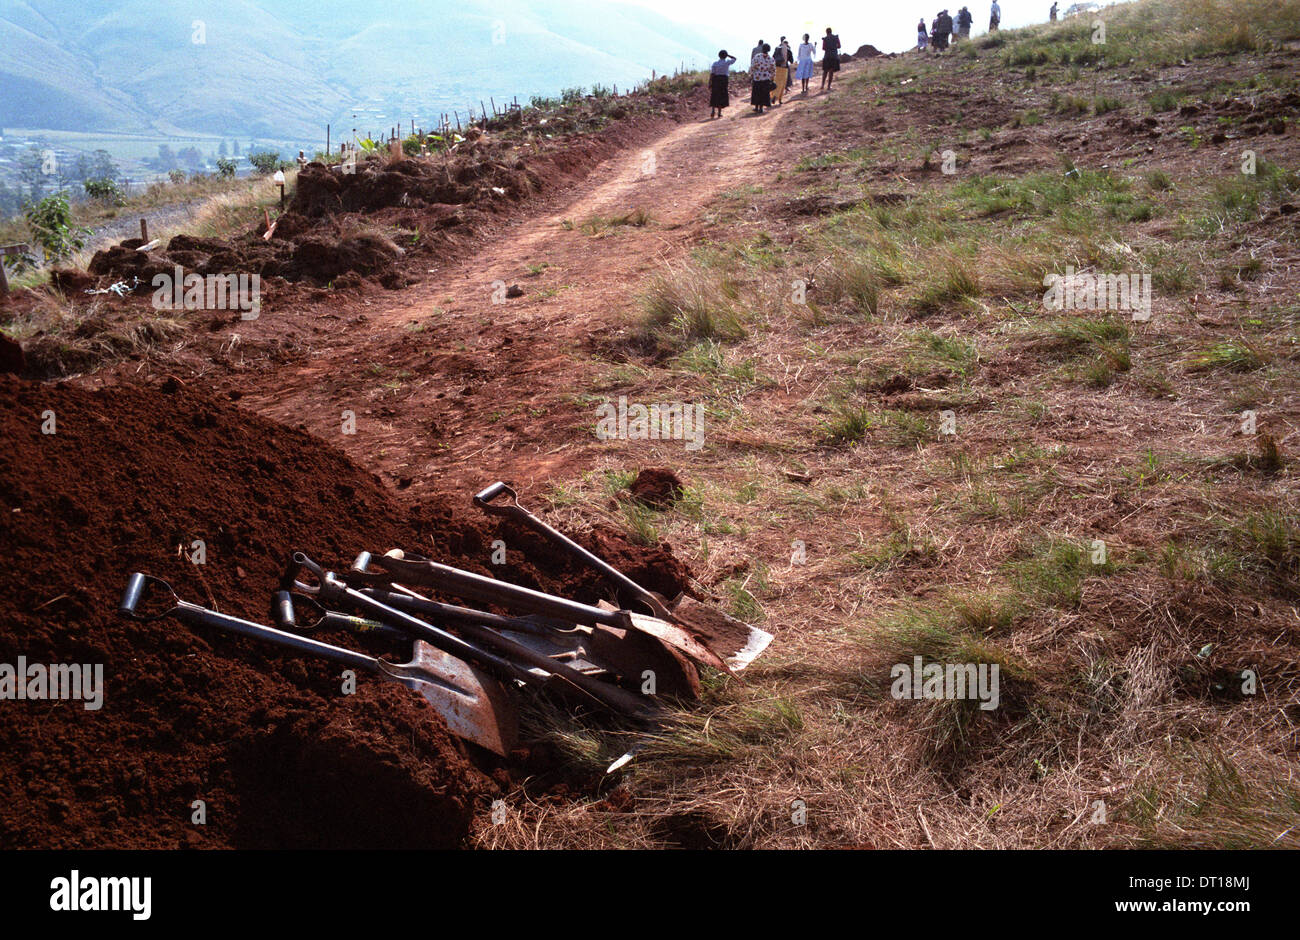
{"type": "Point", "coordinates": [443, 381]}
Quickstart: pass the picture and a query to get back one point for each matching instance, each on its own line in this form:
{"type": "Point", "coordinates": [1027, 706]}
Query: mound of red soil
{"type": "Point", "coordinates": [268, 741]}
{"type": "Point", "coordinates": [657, 487]}
{"type": "Point", "coordinates": [271, 745]}
{"type": "Point", "coordinates": [325, 191]}
{"type": "Point", "coordinates": [12, 360]}
{"type": "Point", "coordinates": [314, 255]}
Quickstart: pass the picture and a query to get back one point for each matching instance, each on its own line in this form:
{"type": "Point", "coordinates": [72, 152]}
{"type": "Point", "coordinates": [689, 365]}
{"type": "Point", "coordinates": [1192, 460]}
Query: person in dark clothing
{"type": "Point", "coordinates": [781, 59]}
{"type": "Point", "coordinates": [964, 22]}
{"type": "Point", "coordinates": [942, 30]}
{"type": "Point", "coordinates": [789, 62]}
{"type": "Point", "coordinates": [720, 84]}
{"type": "Point", "coordinates": [761, 70]}
{"type": "Point", "coordinates": [1051, 14]}
{"type": "Point", "coordinates": [830, 58]}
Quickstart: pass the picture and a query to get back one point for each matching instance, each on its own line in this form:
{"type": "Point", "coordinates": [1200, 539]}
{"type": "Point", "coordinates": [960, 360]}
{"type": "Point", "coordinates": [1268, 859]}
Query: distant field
{"type": "Point", "coordinates": [137, 146]}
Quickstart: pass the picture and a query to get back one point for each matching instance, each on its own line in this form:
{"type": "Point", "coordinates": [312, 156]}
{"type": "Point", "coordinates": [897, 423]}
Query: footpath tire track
{"type": "Point", "coordinates": [450, 388]}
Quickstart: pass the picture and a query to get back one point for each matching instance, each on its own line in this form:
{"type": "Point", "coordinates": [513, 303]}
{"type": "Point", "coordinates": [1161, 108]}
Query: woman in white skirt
{"type": "Point", "coordinates": [804, 70]}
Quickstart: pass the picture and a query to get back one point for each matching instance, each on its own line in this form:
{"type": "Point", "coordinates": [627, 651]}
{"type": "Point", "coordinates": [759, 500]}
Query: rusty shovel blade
{"type": "Point", "coordinates": [705, 635]}
{"type": "Point", "coordinates": [474, 705]}
{"type": "Point", "coordinates": [739, 643]}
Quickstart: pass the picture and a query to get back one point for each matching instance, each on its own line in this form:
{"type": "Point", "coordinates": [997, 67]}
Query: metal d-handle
{"type": "Point", "coordinates": [512, 510]}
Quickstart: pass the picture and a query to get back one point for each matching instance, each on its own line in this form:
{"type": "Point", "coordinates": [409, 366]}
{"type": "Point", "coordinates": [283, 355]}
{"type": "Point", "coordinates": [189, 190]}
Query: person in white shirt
{"type": "Point", "coordinates": [804, 70]}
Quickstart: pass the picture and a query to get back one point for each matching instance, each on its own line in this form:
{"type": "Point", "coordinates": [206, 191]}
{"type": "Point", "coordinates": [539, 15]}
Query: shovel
{"type": "Point", "coordinates": [412, 569]}
{"type": "Point", "coordinates": [475, 706]}
{"type": "Point", "coordinates": [591, 650]}
{"type": "Point", "coordinates": [730, 639]}
{"type": "Point", "coordinates": [548, 672]}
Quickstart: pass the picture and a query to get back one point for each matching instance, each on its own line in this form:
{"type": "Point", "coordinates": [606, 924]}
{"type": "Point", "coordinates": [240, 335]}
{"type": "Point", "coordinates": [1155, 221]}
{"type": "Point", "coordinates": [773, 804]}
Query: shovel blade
{"type": "Point", "coordinates": [475, 705]}
{"type": "Point", "coordinates": [736, 642]}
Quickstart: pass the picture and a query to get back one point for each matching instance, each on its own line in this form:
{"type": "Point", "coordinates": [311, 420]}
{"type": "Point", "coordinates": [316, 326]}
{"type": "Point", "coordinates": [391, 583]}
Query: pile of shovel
{"type": "Point", "coordinates": [471, 664]}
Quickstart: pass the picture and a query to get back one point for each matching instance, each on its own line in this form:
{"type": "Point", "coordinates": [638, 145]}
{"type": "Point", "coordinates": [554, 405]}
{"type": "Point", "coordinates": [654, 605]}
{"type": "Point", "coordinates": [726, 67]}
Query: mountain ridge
{"type": "Point", "coordinates": [282, 69]}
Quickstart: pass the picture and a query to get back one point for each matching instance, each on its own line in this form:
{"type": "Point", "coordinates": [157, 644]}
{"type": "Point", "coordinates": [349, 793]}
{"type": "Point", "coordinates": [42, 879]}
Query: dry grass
{"type": "Point", "coordinates": [827, 502]}
{"type": "Point", "coordinates": [62, 338]}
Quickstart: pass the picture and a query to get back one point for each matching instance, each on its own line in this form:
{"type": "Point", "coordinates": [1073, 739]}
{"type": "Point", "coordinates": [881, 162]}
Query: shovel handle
{"type": "Point", "coordinates": [484, 500]}
{"type": "Point", "coordinates": [138, 585]}
{"type": "Point", "coordinates": [330, 588]}
{"type": "Point", "coordinates": [286, 608]}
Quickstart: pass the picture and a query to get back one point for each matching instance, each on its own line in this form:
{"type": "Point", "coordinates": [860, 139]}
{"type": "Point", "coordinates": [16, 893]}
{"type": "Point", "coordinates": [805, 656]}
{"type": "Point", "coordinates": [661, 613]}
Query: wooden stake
{"type": "Point", "coordinates": [144, 230]}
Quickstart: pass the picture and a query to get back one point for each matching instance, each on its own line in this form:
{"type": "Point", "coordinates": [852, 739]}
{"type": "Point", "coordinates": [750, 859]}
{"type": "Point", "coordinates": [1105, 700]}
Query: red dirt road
{"type": "Point", "coordinates": [439, 370]}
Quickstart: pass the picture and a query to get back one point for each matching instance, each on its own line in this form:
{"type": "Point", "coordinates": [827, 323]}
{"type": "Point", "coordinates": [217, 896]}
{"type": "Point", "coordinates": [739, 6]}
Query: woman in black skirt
{"type": "Point", "coordinates": [761, 70]}
{"type": "Point", "coordinates": [831, 59]}
{"type": "Point", "coordinates": [719, 84]}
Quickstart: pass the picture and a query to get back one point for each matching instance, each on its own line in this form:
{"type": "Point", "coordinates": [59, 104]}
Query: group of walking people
{"type": "Point", "coordinates": [773, 72]}
{"type": "Point", "coordinates": [944, 28]}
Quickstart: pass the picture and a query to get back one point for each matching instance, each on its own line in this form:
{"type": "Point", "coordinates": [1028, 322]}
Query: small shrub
{"type": "Point", "coordinates": [105, 190]}
{"type": "Point", "coordinates": [265, 162]}
{"type": "Point", "coordinates": [50, 221]}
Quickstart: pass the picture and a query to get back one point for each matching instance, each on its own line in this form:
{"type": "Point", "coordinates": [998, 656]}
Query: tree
{"type": "Point", "coordinates": [102, 166]}
{"type": "Point", "coordinates": [31, 172]}
{"type": "Point", "coordinates": [166, 159]}
{"type": "Point", "coordinates": [266, 161]}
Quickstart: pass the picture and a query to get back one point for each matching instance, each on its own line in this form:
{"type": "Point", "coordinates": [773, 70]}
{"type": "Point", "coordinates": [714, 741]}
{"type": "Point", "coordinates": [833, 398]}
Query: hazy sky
{"type": "Point", "coordinates": [889, 25]}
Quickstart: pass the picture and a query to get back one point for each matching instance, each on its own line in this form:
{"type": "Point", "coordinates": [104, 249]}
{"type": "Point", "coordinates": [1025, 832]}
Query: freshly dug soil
{"type": "Point", "coordinates": [657, 487]}
{"type": "Point", "coordinates": [268, 741]}
{"type": "Point", "coordinates": [278, 754]}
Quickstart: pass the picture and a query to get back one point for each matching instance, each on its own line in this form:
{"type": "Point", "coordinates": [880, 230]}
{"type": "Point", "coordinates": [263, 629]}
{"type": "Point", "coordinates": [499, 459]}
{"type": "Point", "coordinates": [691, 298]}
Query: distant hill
{"type": "Point", "coordinates": [282, 68]}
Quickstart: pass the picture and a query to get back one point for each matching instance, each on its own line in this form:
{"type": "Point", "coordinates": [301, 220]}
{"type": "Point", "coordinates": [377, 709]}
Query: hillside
{"type": "Point", "coordinates": [135, 66]}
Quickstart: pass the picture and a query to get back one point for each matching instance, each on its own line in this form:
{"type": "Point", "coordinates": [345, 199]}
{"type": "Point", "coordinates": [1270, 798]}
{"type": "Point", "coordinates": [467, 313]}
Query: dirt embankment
{"type": "Point", "coordinates": [338, 229]}
{"type": "Point", "coordinates": [129, 479]}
